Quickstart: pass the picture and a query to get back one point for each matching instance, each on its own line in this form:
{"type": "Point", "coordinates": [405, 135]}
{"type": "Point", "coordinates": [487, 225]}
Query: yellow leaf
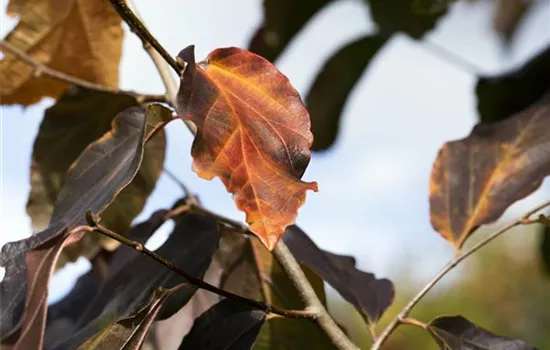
{"type": "Point", "coordinates": [82, 38]}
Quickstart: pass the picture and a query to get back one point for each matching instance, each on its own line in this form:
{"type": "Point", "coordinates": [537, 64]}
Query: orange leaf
{"type": "Point", "coordinates": [253, 132]}
{"type": "Point", "coordinates": [82, 38]}
{"type": "Point", "coordinates": [474, 180]}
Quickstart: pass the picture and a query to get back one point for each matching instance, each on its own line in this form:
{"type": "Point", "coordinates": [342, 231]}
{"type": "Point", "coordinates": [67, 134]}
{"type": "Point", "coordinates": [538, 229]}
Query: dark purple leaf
{"type": "Point", "coordinates": [457, 333]}
{"type": "Point", "coordinates": [502, 96]}
{"type": "Point", "coordinates": [93, 181]}
{"type": "Point", "coordinates": [402, 16]}
{"type": "Point", "coordinates": [228, 325]}
{"type": "Point", "coordinates": [283, 19]}
{"type": "Point", "coordinates": [79, 118]}
{"type": "Point", "coordinates": [330, 90]}
{"type": "Point", "coordinates": [127, 290]}
{"type": "Point", "coordinates": [371, 296]}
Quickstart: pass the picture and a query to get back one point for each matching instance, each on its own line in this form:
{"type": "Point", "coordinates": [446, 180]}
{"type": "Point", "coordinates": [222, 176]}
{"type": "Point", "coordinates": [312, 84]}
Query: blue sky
{"type": "Point", "coordinates": [373, 184]}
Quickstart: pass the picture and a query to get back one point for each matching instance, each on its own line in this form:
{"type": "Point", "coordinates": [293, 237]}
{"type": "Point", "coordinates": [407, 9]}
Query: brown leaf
{"type": "Point", "coordinates": [474, 180]}
{"type": "Point", "coordinates": [82, 38]}
{"type": "Point", "coordinates": [253, 132]}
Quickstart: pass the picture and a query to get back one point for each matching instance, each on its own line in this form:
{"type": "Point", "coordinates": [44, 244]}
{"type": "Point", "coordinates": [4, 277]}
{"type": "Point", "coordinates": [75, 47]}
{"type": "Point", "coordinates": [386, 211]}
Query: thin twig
{"type": "Point", "coordinates": [160, 57]}
{"type": "Point", "coordinates": [143, 33]}
{"type": "Point", "coordinates": [310, 298]}
{"type": "Point", "coordinates": [398, 319]}
{"type": "Point", "coordinates": [57, 75]}
{"type": "Point", "coordinates": [139, 247]}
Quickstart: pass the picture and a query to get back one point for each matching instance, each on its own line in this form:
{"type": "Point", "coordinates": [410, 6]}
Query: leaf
{"type": "Point", "coordinates": [283, 19]}
{"type": "Point", "coordinates": [80, 117]}
{"type": "Point", "coordinates": [369, 295]}
{"type": "Point", "coordinates": [250, 270]}
{"type": "Point", "coordinates": [228, 325]}
{"type": "Point", "coordinates": [457, 333]}
{"type": "Point", "coordinates": [545, 248]}
{"type": "Point", "coordinates": [130, 333]}
{"type": "Point", "coordinates": [127, 289]}
{"type": "Point", "coordinates": [82, 38]}
{"type": "Point", "coordinates": [430, 6]}
{"type": "Point", "coordinates": [474, 180]}
{"type": "Point", "coordinates": [508, 15]}
{"type": "Point", "coordinates": [252, 132]}
{"type": "Point", "coordinates": [402, 16]}
{"type": "Point", "coordinates": [94, 180]}
{"type": "Point", "coordinates": [499, 97]}
{"type": "Point", "coordinates": [330, 90]}
{"type": "Point", "coordinates": [63, 315]}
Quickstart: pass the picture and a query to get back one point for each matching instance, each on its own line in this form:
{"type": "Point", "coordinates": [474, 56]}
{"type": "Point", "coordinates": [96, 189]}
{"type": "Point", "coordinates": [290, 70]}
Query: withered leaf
{"type": "Point", "coordinates": [283, 19]}
{"type": "Point", "coordinates": [371, 296]}
{"type": "Point", "coordinates": [80, 117]}
{"type": "Point", "coordinates": [250, 270]}
{"type": "Point", "coordinates": [501, 96]}
{"type": "Point", "coordinates": [457, 333]}
{"type": "Point", "coordinates": [400, 16]}
{"type": "Point", "coordinates": [252, 132]}
{"type": "Point", "coordinates": [82, 38]}
{"type": "Point", "coordinates": [475, 179]}
{"type": "Point", "coordinates": [228, 325]}
{"type": "Point", "coordinates": [127, 289]}
{"type": "Point", "coordinates": [330, 90]}
{"type": "Point", "coordinates": [93, 181]}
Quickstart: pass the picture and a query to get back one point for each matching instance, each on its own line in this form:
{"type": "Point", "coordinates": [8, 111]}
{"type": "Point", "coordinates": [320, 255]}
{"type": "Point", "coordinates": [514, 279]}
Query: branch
{"type": "Point", "coordinates": [93, 225]}
{"type": "Point", "coordinates": [160, 57]}
{"type": "Point", "coordinates": [402, 316]}
{"type": "Point", "coordinates": [143, 33]}
{"type": "Point", "coordinates": [308, 295]}
{"type": "Point", "coordinates": [41, 69]}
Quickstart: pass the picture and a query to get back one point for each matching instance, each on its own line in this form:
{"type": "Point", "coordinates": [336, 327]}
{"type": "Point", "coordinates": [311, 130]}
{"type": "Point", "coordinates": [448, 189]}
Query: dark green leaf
{"type": "Point", "coordinates": [399, 16]}
{"type": "Point", "coordinates": [94, 180]}
{"type": "Point", "coordinates": [330, 90]}
{"type": "Point", "coordinates": [79, 118]}
{"type": "Point", "coordinates": [127, 290]}
{"type": "Point", "coordinates": [228, 325]}
{"type": "Point", "coordinates": [457, 333]}
{"type": "Point", "coordinates": [499, 97]}
{"type": "Point", "coordinates": [283, 19]}
{"type": "Point", "coordinates": [369, 295]}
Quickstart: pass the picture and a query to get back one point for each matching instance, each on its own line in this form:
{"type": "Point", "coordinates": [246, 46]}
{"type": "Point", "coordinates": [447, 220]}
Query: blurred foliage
{"type": "Point", "coordinates": [502, 288]}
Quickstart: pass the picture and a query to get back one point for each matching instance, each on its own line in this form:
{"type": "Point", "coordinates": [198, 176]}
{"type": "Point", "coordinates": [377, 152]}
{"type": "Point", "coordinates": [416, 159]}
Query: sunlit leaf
{"type": "Point", "coordinates": [228, 325]}
{"type": "Point", "coordinates": [82, 38]}
{"type": "Point", "coordinates": [93, 181]}
{"type": "Point", "coordinates": [331, 87]}
{"type": "Point", "coordinates": [129, 287]}
{"type": "Point", "coordinates": [252, 132]}
{"type": "Point", "coordinates": [250, 270]}
{"type": "Point", "coordinates": [457, 333]}
{"type": "Point", "coordinates": [475, 179]}
{"type": "Point", "coordinates": [283, 19]}
{"type": "Point", "coordinates": [400, 16]}
{"type": "Point", "coordinates": [501, 96]}
{"type": "Point", "coordinates": [76, 120]}
{"type": "Point", "coordinates": [371, 296]}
